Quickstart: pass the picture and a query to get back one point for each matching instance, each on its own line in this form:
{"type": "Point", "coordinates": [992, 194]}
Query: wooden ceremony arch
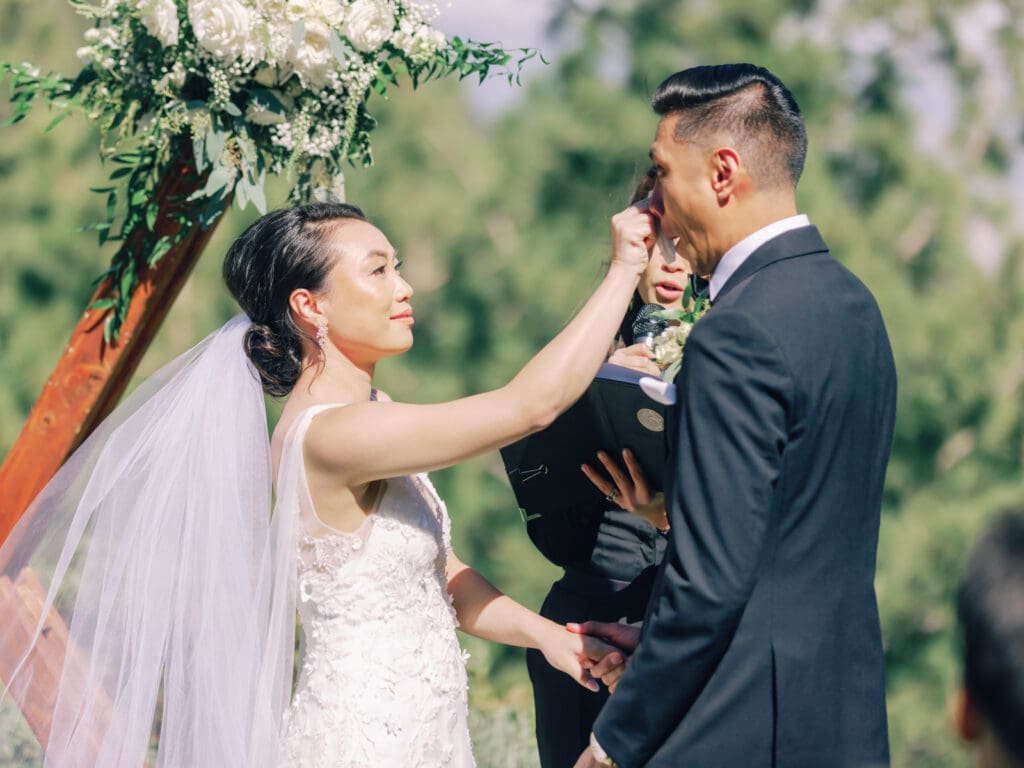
{"type": "Point", "coordinates": [83, 389]}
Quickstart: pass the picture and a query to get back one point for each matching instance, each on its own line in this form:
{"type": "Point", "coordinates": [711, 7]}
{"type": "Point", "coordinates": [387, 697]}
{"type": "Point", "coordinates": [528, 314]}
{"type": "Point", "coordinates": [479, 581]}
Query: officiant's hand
{"type": "Point", "coordinates": [629, 491]}
{"type": "Point", "coordinates": [637, 357]}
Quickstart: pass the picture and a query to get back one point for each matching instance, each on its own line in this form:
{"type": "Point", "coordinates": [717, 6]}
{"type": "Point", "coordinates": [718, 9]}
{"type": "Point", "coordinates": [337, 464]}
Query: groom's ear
{"type": "Point", "coordinates": [726, 173]}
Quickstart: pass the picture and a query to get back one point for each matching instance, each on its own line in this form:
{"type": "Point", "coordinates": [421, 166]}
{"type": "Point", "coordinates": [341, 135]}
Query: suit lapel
{"type": "Point", "coordinates": [795, 242]}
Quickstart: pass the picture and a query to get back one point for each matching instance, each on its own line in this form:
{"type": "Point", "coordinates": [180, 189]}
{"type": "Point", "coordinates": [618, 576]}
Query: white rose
{"type": "Point", "coordinates": [312, 59]}
{"type": "Point", "coordinates": [223, 27]}
{"type": "Point", "coordinates": [296, 9]}
{"type": "Point", "coordinates": [279, 42]}
{"type": "Point", "coordinates": [330, 12]}
{"type": "Point", "coordinates": [160, 18]}
{"type": "Point", "coordinates": [368, 25]}
{"type": "Point", "coordinates": [272, 9]}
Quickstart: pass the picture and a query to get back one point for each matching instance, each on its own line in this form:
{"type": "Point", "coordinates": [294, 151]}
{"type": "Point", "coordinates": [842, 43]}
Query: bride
{"type": "Point", "coordinates": [156, 538]}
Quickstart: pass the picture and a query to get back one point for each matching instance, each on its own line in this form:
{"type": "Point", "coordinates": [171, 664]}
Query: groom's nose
{"type": "Point", "coordinates": [657, 204]}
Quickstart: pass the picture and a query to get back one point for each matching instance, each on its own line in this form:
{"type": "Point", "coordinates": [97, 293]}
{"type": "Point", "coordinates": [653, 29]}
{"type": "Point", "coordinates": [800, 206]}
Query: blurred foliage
{"type": "Point", "coordinates": [915, 111]}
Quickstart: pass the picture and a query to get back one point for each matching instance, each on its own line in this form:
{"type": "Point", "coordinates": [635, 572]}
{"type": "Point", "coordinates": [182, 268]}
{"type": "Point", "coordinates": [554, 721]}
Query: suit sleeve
{"type": "Point", "coordinates": [736, 398]}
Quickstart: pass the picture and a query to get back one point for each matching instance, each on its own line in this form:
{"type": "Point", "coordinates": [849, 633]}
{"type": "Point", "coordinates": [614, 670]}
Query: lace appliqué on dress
{"type": "Point", "coordinates": [383, 679]}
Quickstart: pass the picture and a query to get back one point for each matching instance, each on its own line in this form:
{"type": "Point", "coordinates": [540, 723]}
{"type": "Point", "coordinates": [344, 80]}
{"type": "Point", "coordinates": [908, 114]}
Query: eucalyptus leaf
{"type": "Point", "coordinates": [220, 178]}
{"type": "Point", "coordinates": [266, 99]}
{"type": "Point", "coordinates": [215, 141]}
{"type": "Point", "coordinates": [242, 193]}
{"type": "Point", "coordinates": [199, 153]}
{"type": "Point", "coordinates": [340, 49]}
{"type": "Point", "coordinates": [259, 196]}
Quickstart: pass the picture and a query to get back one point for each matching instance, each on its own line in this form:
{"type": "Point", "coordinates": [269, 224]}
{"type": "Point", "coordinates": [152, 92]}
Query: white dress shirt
{"type": "Point", "coordinates": [735, 256]}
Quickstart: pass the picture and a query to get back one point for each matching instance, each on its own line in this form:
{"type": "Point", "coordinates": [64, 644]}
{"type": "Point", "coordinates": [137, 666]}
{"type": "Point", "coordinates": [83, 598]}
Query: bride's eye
{"type": "Point", "coordinates": [398, 266]}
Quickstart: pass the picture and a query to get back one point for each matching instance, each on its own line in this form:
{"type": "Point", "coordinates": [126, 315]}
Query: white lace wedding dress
{"type": "Point", "coordinates": [382, 680]}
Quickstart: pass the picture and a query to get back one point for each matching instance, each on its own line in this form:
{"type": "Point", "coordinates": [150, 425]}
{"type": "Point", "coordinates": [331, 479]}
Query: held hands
{"type": "Point", "coordinates": [632, 237]}
{"type": "Point", "coordinates": [625, 638]}
{"type": "Point", "coordinates": [576, 653]}
{"type": "Point", "coordinates": [637, 357]}
{"type": "Point", "coordinates": [631, 491]}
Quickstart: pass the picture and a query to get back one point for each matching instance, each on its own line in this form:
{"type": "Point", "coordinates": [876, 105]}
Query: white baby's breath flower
{"type": "Point", "coordinates": [224, 28]}
{"type": "Point", "coordinates": [368, 25]}
{"type": "Point", "coordinates": [418, 41]}
{"type": "Point", "coordinates": [176, 77]}
{"type": "Point", "coordinates": [160, 17]}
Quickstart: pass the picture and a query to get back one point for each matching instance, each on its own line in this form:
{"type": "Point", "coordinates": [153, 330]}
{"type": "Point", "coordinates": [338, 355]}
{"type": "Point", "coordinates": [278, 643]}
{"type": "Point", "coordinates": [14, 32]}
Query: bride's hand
{"type": "Point", "coordinates": [629, 492]}
{"type": "Point", "coordinates": [576, 654]}
{"type": "Point", "coordinates": [632, 236]}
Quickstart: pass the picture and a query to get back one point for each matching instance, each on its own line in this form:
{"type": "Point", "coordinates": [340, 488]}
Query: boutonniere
{"type": "Point", "coordinates": [668, 345]}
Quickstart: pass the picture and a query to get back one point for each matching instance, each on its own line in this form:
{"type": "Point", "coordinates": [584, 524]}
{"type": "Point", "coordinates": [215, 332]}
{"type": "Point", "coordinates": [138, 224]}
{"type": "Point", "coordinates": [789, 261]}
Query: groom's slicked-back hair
{"type": "Point", "coordinates": [748, 106]}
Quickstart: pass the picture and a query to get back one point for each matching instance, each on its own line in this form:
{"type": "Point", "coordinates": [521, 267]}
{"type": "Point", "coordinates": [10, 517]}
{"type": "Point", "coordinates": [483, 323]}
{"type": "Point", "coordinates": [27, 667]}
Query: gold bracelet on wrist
{"type": "Point", "coordinates": [602, 757]}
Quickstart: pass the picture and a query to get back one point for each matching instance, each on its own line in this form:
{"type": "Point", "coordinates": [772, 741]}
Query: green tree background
{"type": "Point", "coordinates": [916, 117]}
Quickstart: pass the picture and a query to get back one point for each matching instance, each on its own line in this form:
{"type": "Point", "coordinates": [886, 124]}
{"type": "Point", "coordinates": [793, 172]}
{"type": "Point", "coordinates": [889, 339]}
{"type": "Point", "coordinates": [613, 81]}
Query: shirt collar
{"type": "Point", "coordinates": [735, 256]}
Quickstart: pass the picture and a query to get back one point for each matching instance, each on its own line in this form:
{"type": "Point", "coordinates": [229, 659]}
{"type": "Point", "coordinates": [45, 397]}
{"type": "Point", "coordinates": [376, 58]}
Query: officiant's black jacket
{"type": "Point", "coordinates": [761, 646]}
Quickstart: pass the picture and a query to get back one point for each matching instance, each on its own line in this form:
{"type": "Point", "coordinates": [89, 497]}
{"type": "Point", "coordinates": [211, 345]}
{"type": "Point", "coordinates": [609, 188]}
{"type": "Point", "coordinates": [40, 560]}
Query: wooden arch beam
{"type": "Point", "coordinates": [90, 377]}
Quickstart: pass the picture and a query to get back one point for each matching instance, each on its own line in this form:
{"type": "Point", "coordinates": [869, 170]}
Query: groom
{"type": "Point", "coordinates": [761, 645]}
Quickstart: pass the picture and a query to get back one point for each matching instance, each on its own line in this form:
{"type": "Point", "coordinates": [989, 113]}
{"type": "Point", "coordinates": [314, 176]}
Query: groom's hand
{"type": "Point", "coordinates": [587, 760]}
{"type": "Point", "coordinates": [624, 636]}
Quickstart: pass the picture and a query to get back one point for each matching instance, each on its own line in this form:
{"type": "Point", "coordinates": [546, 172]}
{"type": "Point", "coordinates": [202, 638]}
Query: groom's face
{"type": "Point", "coordinates": [683, 196]}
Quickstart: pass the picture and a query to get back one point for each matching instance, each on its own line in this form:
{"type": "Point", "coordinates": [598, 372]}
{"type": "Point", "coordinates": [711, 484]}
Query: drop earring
{"type": "Point", "coordinates": [321, 334]}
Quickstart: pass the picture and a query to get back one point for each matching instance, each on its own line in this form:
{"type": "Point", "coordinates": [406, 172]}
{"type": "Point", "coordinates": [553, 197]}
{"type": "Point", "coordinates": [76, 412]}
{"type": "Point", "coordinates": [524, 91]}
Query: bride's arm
{"type": "Point", "coordinates": [368, 441]}
{"type": "Point", "coordinates": [483, 611]}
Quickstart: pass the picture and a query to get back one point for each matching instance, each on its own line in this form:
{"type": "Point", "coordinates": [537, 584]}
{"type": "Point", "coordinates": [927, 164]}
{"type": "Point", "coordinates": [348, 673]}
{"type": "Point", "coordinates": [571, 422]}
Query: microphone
{"type": "Point", "coordinates": [646, 326]}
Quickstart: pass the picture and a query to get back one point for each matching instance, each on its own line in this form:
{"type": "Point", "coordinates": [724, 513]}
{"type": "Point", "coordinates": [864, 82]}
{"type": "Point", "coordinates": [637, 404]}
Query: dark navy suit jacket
{"type": "Point", "coordinates": [761, 646]}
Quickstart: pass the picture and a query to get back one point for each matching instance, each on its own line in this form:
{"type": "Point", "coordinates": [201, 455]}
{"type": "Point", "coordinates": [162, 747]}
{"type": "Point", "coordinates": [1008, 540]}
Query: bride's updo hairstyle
{"type": "Point", "coordinates": [280, 253]}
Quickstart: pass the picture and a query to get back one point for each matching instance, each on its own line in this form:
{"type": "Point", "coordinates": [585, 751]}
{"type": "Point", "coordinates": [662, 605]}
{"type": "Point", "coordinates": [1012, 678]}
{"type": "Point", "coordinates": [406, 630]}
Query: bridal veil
{"type": "Point", "coordinates": [156, 543]}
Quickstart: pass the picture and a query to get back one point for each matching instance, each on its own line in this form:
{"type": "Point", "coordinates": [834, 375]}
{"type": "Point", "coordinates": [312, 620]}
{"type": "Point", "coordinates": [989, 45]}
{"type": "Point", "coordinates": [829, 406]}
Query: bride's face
{"type": "Point", "coordinates": [367, 300]}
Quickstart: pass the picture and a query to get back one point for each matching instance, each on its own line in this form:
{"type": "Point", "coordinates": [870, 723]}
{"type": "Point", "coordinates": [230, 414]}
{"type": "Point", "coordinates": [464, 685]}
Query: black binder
{"type": "Point", "coordinates": [613, 414]}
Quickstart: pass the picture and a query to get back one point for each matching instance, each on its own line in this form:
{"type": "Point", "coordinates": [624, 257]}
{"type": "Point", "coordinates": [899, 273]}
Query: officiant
{"type": "Point", "coordinates": [609, 553]}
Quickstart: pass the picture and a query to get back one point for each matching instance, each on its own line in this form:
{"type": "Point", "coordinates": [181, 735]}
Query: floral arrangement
{"type": "Point", "coordinates": [668, 345]}
{"type": "Point", "coordinates": [254, 86]}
